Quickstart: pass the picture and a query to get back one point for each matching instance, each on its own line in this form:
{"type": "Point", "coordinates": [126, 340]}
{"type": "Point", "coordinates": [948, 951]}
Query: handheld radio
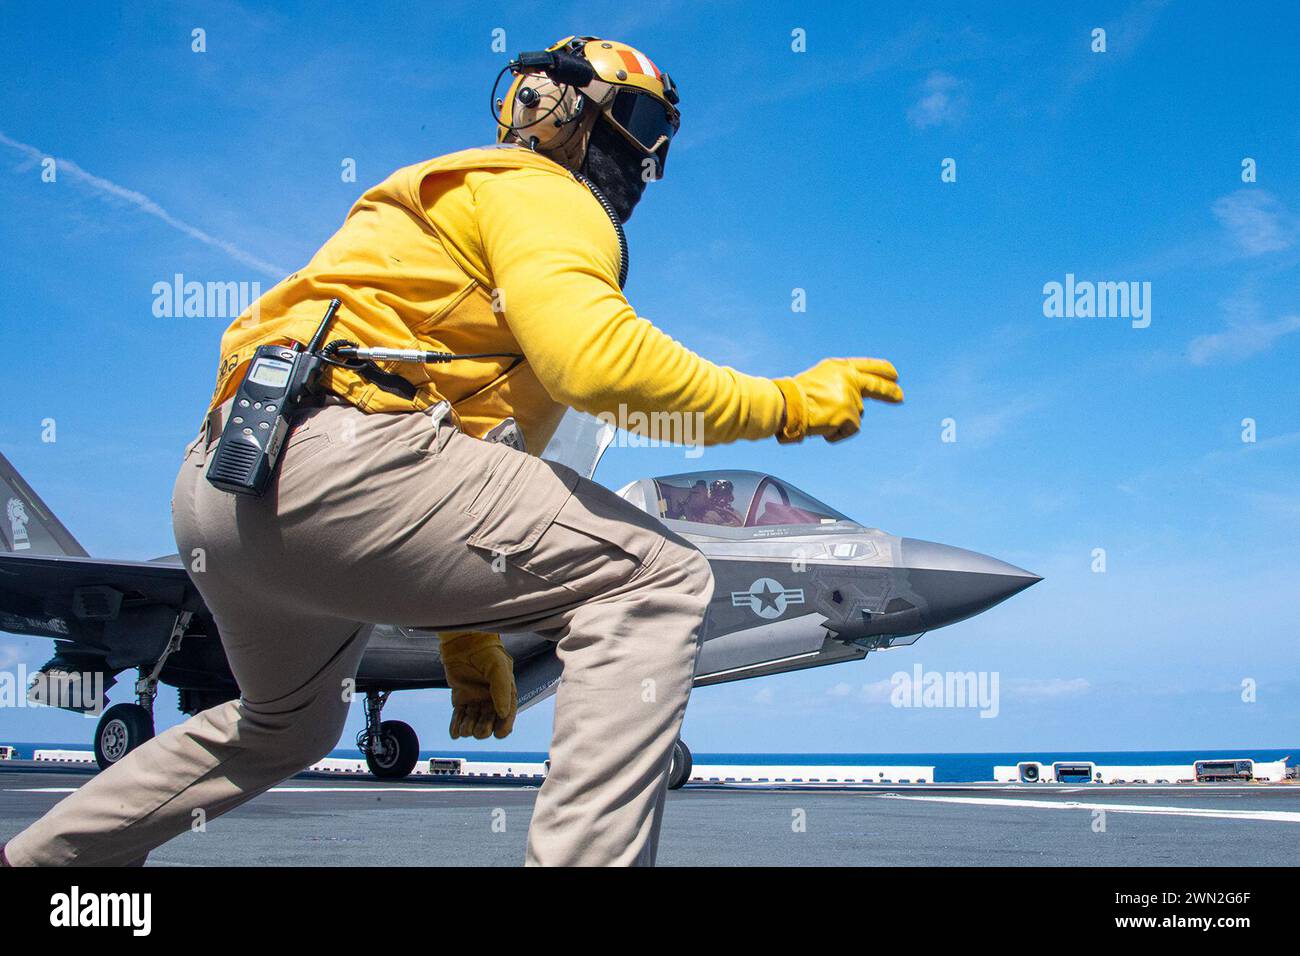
{"type": "Point", "coordinates": [277, 380]}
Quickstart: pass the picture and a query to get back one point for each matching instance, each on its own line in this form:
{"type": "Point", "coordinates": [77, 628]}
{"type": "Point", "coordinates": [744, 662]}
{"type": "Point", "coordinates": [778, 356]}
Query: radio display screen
{"type": "Point", "coordinates": [270, 373]}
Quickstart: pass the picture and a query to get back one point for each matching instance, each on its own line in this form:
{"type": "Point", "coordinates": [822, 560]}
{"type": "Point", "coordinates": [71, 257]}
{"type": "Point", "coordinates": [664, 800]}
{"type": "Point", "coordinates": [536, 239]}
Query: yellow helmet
{"type": "Point", "coordinates": [559, 93]}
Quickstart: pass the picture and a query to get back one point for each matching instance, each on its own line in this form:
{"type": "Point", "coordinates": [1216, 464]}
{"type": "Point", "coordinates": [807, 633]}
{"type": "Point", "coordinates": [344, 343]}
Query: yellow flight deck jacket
{"type": "Point", "coordinates": [495, 249]}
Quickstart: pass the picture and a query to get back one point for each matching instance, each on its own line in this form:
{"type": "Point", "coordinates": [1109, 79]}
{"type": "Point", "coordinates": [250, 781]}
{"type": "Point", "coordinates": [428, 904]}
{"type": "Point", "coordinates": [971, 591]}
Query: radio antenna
{"type": "Point", "coordinates": [319, 337]}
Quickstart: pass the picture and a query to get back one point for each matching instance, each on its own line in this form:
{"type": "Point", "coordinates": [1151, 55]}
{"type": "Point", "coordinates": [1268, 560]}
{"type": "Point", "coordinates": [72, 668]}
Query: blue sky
{"type": "Point", "coordinates": [817, 170]}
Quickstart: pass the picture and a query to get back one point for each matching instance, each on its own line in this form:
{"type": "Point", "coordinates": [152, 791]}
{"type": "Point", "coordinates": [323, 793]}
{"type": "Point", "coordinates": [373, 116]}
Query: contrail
{"type": "Point", "coordinates": [147, 205]}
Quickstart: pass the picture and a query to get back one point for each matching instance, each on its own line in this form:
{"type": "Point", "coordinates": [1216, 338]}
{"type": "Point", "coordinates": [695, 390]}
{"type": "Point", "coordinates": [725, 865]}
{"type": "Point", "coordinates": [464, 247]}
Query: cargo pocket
{"type": "Point", "coordinates": [545, 520]}
{"type": "Point", "coordinates": [596, 543]}
{"type": "Point", "coordinates": [518, 502]}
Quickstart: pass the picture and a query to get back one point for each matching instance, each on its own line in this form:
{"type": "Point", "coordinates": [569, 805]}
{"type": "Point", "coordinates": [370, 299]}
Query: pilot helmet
{"type": "Point", "coordinates": [722, 490]}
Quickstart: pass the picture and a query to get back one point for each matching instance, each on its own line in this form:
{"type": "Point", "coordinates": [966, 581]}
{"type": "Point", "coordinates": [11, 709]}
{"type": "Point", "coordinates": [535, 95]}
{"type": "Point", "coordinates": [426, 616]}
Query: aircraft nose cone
{"type": "Point", "coordinates": [956, 583]}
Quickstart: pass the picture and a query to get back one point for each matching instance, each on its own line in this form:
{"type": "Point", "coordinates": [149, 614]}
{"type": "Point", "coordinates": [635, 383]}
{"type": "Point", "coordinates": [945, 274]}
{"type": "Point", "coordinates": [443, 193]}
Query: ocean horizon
{"type": "Point", "coordinates": [948, 767]}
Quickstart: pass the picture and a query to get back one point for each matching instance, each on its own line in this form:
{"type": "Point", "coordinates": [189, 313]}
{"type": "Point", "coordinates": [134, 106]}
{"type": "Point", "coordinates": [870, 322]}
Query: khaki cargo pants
{"type": "Point", "coordinates": [402, 519]}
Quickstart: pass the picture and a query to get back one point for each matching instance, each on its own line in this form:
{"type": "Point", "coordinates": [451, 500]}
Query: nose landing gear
{"type": "Point", "coordinates": [392, 747]}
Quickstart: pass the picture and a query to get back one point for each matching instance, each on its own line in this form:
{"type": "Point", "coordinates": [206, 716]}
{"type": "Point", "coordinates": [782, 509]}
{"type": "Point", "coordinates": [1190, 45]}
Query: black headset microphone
{"type": "Point", "coordinates": [561, 67]}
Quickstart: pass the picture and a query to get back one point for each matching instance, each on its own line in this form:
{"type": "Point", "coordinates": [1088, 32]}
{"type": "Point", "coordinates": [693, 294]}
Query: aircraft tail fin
{"type": "Point", "coordinates": [26, 523]}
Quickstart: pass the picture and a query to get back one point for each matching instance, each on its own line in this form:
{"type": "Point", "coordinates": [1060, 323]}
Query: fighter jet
{"type": "Point", "coordinates": [798, 585]}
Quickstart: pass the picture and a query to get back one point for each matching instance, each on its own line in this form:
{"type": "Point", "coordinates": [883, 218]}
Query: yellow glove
{"type": "Point", "coordinates": [482, 680]}
{"type": "Point", "coordinates": [827, 399]}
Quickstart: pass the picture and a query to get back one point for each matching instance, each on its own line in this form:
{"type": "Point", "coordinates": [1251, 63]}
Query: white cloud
{"type": "Point", "coordinates": [764, 696]}
{"type": "Point", "coordinates": [1047, 689]}
{"type": "Point", "coordinates": [1279, 504]}
{"type": "Point", "coordinates": [942, 101]}
{"type": "Point", "coordinates": [1256, 221]}
{"type": "Point", "coordinates": [1124, 36]}
{"type": "Point", "coordinates": [111, 190]}
{"type": "Point", "coordinates": [1240, 340]}
{"type": "Point", "coordinates": [991, 423]}
{"type": "Point", "coordinates": [878, 692]}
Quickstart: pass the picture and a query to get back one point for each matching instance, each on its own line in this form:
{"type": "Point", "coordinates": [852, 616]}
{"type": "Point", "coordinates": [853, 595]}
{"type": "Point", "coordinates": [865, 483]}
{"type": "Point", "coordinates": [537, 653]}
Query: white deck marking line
{"type": "Point", "coordinates": [314, 789]}
{"type": "Point", "coordinates": [1272, 816]}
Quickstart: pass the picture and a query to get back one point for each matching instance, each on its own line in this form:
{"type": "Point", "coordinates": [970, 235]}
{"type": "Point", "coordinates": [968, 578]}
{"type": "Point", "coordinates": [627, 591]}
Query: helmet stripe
{"type": "Point", "coordinates": [638, 63]}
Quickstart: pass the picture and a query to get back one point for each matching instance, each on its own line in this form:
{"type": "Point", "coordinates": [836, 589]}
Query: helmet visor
{"type": "Point", "coordinates": [646, 122]}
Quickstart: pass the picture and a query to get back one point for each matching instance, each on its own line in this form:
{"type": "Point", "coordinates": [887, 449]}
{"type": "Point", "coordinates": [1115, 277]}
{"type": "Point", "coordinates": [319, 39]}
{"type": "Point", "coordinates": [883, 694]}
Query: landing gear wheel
{"type": "Point", "coordinates": [680, 771]}
{"type": "Point", "coordinates": [394, 755]}
{"type": "Point", "coordinates": [122, 728]}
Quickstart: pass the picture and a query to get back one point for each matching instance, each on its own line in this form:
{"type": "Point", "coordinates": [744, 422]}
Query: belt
{"type": "Point", "coordinates": [215, 421]}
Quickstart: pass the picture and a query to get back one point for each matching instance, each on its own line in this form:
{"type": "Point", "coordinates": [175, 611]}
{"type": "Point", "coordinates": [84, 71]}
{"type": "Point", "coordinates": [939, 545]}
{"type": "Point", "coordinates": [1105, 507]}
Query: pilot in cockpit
{"type": "Point", "coordinates": [720, 511]}
{"type": "Point", "coordinates": [702, 503]}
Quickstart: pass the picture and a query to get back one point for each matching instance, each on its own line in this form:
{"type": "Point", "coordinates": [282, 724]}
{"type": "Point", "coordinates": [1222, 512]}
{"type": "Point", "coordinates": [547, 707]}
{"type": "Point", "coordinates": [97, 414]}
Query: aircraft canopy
{"type": "Point", "coordinates": [728, 498]}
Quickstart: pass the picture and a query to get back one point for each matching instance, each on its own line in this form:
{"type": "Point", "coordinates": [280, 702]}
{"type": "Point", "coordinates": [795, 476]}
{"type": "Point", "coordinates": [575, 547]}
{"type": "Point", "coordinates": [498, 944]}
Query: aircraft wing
{"type": "Point", "coordinates": [122, 609]}
{"type": "Point", "coordinates": [89, 588]}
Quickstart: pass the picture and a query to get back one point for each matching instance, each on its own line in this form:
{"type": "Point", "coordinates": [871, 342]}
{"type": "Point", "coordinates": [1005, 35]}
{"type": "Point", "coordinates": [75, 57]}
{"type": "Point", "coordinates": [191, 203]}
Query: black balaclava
{"type": "Point", "coordinates": [615, 167]}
